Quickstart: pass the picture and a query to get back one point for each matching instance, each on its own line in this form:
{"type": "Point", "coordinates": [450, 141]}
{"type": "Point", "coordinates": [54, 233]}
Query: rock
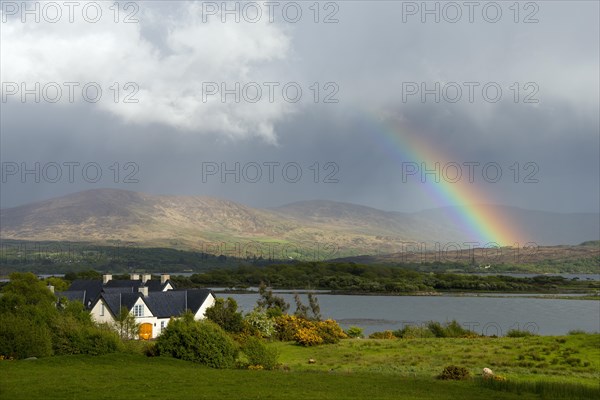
{"type": "Point", "coordinates": [488, 373]}
{"type": "Point", "coordinates": [312, 361]}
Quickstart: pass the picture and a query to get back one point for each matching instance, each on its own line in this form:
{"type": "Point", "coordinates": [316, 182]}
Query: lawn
{"type": "Point", "coordinates": [575, 358]}
{"type": "Point", "coordinates": [129, 376]}
{"type": "Point", "coordinates": [352, 369]}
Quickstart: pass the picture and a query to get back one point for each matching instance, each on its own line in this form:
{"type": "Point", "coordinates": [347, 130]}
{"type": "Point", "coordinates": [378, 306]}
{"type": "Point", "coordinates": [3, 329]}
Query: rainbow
{"type": "Point", "coordinates": [470, 206]}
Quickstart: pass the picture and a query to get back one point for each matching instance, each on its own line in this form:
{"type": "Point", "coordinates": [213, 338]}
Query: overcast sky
{"type": "Point", "coordinates": [372, 60]}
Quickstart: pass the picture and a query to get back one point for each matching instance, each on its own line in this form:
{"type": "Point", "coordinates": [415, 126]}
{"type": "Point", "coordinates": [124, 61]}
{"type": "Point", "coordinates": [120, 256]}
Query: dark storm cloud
{"type": "Point", "coordinates": [369, 55]}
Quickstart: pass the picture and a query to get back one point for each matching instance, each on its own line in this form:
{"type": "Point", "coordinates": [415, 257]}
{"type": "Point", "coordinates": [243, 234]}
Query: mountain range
{"type": "Point", "coordinates": [204, 223]}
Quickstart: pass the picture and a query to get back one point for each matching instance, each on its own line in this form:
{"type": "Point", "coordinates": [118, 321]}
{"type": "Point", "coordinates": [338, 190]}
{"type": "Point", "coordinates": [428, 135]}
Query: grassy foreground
{"type": "Point", "coordinates": [536, 368]}
{"type": "Point", "coordinates": [572, 358]}
{"type": "Point", "coordinates": [128, 376]}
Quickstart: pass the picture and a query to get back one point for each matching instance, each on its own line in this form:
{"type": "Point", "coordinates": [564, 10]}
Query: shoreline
{"type": "Point", "coordinates": [541, 295]}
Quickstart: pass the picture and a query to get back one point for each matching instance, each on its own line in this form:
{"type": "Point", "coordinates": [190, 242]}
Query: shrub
{"type": "Point", "coordinates": [355, 332]}
{"type": "Point", "coordinates": [437, 329]}
{"type": "Point", "coordinates": [259, 354]}
{"type": "Point", "coordinates": [450, 329]}
{"type": "Point", "coordinates": [203, 342]}
{"type": "Point", "coordinates": [21, 337]}
{"type": "Point", "coordinates": [330, 331]}
{"type": "Point", "coordinates": [453, 372]}
{"type": "Point", "coordinates": [382, 335]}
{"type": "Point", "coordinates": [455, 330]}
{"type": "Point", "coordinates": [98, 342]}
{"type": "Point", "coordinates": [260, 322]}
{"type": "Point", "coordinates": [308, 337]}
{"type": "Point", "coordinates": [71, 335]}
{"type": "Point", "coordinates": [515, 333]}
{"type": "Point", "coordinates": [413, 332]}
{"type": "Point", "coordinates": [308, 333]}
{"type": "Point", "coordinates": [287, 326]}
{"type": "Point", "coordinates": [150, 349]}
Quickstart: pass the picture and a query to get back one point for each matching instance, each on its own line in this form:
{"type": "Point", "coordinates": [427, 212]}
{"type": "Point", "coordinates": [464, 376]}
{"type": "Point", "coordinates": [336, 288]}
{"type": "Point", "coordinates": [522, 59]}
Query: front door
{"type": "Point", "coordinates": [145, 331]}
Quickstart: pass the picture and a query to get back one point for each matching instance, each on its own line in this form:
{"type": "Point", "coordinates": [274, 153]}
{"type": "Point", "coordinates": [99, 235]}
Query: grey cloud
{"type": "Point", "coordinates": [369, 54]}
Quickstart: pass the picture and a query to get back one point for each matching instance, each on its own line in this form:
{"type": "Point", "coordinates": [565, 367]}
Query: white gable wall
{"type": "Point", "coordinates": [145, 310]}
{"type": "Point", "coordinates": [209, 302]}
{"type": "Point", "coordinates": [147, 316]}
{"type": "Point", "coordinates": [101, 313]}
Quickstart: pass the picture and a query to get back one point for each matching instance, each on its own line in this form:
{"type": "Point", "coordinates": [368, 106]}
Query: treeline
{"type": "Point", "coordinates": [350, 277]}
{"type": "Point", "coordinates": [62, 257]}
{"type": "Point", "coordinates": [34, 324]}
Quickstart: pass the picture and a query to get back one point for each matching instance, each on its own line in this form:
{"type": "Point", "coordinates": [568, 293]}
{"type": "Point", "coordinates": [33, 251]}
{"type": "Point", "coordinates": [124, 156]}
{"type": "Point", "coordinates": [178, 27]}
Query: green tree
{"type": "Point", "coordinates": [301, 309]}
{"type": "Point", "coordinates": [59, 284]}
{"type": "Point", "coordinates": [32, 324]}
{"type": "Point", "coordinates": [225, 314]}
{"type": "Point", "coordinates": [30, 288]}
{"type": "Point", "coordinates": [310, 312]}
{"type": "Point", "coordinates": [273, 305]}
{"type": "Point", "coordinates": [315, 308]}
{"type": "Point", "coordinates": [126, 325]}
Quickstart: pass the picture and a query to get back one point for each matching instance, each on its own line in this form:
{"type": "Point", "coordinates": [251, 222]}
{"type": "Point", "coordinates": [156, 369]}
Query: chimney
{"type": "Point", "coordinates": [143, 290]}
{"type": "Point", "coordinates": [164, 278]}
{"type": "Point", "coordinates": [106, 278]}
{"type": "Point", "coordinates": [51, 288]}
{"type": "Point", "coordinates": [134, 277]}
{"type": "Point", "coordinates": [146, 277]}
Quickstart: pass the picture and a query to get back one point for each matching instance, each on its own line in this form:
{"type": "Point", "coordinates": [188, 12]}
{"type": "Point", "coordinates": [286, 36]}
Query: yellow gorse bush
{"type": "Point", "coordinates": [306, 332]}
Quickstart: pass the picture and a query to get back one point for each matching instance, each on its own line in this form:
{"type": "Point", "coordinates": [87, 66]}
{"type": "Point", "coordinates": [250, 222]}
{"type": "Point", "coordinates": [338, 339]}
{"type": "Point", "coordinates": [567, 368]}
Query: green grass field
{"type": "Point", "coordinates": [575, 358]}
{"type": "Point", "coordinates": [352, 369]}
{"type": "Point", "coordinates": [122, 376]}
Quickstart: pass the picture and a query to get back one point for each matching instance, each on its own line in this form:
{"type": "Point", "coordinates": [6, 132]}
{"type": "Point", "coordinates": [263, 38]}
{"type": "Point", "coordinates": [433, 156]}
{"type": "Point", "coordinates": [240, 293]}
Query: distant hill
{"type": "Point", "coordinates": [204, 223]}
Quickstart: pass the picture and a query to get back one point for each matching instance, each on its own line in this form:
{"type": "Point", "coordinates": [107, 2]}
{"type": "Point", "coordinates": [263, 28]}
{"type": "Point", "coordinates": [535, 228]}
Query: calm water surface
{"type": "Point", "coordinates": [491, 316]}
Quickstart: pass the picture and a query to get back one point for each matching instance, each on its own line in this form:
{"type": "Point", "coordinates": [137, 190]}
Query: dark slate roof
{"type": "Point", "coordinates": [127, 289]}
{"type": "Point", "coordinates": [196, 297]}
{"type": "Point", "coordinates": [153, 285]}
{"type": "Point", "coordinates": [123, 283]}
{"type": "Point", "coordinates": [72, 295]}
{"type": "Point", "coordinates": [92, 289]}
{"type": "Point", "coordinates": [166, 304]}
{"type": "Point", "coordinates": [115, 301]}
{"type": "Point", "coordinates": [174, 303]}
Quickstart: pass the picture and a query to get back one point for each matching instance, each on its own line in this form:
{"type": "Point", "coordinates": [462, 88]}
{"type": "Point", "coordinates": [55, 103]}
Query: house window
{"type": "Point", "coordinates": [138, 310]}
{"type": "Point", "coordinates": [162, 325]}
{"type": "Point", "coordinates": [102, 309]}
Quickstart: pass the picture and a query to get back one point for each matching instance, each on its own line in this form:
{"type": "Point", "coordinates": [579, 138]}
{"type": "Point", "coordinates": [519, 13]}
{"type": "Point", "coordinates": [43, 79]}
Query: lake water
{"type": "Point", "coordinates": [490, 316]}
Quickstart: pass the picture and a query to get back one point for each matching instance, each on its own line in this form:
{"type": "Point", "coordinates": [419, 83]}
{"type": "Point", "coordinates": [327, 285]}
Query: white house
{"type": "Point", "coordinates": [151, 302]}
{"type": "Point", "coordinates": [88, 290]}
